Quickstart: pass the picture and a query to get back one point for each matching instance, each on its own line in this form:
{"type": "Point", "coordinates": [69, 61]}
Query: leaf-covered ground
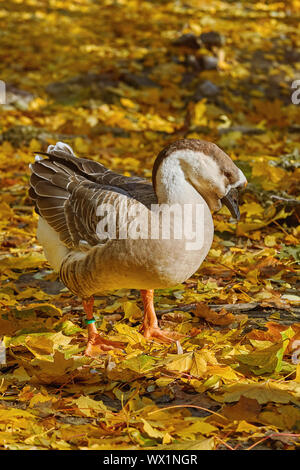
{"type": "Point", "coordinates": [119, 80]}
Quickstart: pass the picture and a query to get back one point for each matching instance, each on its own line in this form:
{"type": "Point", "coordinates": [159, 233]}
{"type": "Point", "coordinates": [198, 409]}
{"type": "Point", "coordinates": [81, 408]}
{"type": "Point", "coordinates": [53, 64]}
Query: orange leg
{"type": "Point", "coordinates": [150, 324]}
{"type": "Point", "coordinates": [96, 343]}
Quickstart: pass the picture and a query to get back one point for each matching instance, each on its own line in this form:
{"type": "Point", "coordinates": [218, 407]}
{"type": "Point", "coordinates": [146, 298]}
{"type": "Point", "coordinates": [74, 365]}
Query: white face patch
{"type": "Point", "coordinates": [201, 167]}
{"type": "Point", "coordinates": [242, 178]}
{"type": "Point", "coordinates": [199, 163]}
{"type": "Point", "coordinates": [239, 183]}
{"type": "Point", "coordinates": [187, 172]}
{"type": "Point", "coordinates": [187, 169]}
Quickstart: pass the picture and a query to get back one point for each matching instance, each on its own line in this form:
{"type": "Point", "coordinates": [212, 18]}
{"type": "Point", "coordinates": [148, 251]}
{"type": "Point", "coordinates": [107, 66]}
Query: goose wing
{"type": "Point", "coordinates": [68, 192]}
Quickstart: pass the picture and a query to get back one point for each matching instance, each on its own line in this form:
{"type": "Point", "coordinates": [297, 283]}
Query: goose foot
{"type": "Point", "coordinates": [159, 335]}
{"type": "Point", "coordinates": [150, 325]}
{"type": "Point", "coordinates": [98, 345]}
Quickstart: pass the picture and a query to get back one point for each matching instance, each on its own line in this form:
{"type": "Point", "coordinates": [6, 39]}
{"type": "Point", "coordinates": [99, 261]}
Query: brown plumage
{"type": "Point", "coordinates": [62, 183]}
{"type": "Point", "coordinates": [68, 191]}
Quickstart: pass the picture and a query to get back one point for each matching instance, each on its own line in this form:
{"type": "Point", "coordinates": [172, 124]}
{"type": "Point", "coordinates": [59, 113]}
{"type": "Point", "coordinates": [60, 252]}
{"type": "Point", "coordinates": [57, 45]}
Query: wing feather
{"type": "Point", "coordinates": [68, 190]}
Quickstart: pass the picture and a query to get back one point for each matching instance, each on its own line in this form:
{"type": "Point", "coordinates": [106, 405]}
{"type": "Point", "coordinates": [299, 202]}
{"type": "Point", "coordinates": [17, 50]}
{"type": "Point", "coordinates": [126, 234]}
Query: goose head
{"type": "Point", "coordinates": [205, 167]}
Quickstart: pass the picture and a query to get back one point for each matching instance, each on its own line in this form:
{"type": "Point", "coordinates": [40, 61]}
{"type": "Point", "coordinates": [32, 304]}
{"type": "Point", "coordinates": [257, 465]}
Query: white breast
{"type": "Point", "coordinates": [54, 249]}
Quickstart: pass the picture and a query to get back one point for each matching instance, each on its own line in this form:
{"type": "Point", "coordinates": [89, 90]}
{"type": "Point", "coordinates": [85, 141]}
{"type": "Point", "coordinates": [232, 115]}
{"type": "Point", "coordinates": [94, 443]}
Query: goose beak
{"type": "Point", "coordinates": [231, 200]}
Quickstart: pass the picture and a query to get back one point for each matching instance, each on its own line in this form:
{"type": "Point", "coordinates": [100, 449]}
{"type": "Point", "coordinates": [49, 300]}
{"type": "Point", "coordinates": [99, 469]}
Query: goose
{"type": "Point", "coordinates": [96, 226]}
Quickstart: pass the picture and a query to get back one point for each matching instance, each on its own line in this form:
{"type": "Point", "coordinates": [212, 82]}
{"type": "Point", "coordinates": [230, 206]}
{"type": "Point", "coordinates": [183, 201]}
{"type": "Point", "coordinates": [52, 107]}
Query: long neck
{"type": "Point", "coordinates": [172, 186]}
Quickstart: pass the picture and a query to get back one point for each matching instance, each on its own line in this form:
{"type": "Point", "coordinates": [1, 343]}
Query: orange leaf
{"type": "Point", "coordinates": [220, 318]}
